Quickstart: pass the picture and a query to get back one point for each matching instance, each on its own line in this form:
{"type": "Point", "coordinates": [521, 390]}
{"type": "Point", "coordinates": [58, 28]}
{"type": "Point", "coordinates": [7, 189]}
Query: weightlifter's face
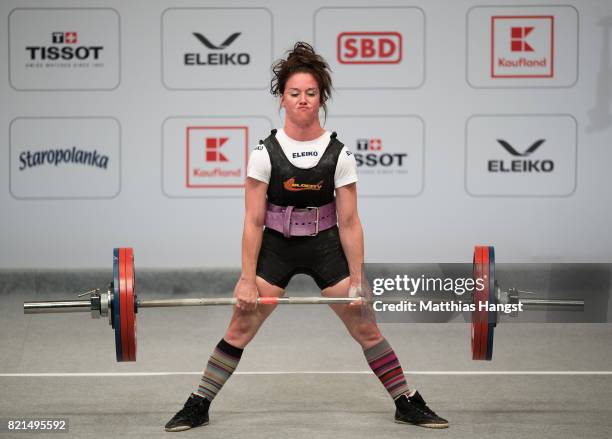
{"type": "Point", "coordinates": [301, 99]}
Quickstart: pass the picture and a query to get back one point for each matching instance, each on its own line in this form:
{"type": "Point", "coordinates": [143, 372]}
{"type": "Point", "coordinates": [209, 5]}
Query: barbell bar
{"type": "Point", "coordinates": [121, 304]}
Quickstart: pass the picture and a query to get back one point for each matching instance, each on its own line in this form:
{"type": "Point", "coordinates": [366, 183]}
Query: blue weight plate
{"type": "Point", "coordinates": [116, 306]}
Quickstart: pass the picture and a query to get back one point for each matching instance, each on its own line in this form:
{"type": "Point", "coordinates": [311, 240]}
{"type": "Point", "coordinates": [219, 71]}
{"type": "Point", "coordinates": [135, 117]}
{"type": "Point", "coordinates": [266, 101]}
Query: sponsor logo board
{"type": "Point", "coordinates": [64, 49]}
{"type": "Point", "coordinates": [208, 156]}
{"type": "Point", "coordinates": [521, 155]}
{"type": "Point", "coordinates": [65, 158]}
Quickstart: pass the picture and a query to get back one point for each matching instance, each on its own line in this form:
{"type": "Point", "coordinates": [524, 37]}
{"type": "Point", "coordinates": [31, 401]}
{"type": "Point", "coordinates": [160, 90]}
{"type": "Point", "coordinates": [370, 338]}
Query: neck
{"type": "Point", "coordinates": [303, 133]}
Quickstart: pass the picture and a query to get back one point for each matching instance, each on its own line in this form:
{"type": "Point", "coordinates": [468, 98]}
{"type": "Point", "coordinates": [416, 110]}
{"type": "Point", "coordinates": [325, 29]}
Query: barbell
{"type": "Point", "coordinates": [121, 304]}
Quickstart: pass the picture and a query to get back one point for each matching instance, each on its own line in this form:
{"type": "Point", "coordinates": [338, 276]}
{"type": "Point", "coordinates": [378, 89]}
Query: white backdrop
{"type": "Point", "coordinates": [436, 102]}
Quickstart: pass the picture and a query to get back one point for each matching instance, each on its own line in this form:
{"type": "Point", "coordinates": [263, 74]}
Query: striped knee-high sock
{"type": "Point", "coordinates": [386, 366]}
{"type": "Point", "coordinates": [220, 367]}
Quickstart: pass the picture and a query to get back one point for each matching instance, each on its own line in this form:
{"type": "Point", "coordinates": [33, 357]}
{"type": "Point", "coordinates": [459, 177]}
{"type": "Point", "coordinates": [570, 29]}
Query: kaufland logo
{"type": "Point", "coordinates": [216, 156]}
{"type": "Point", "coordinates": [369, 48]}
{"type": "Point", "coordinates": [522, 46]}
{"type": "Point", "coordinates": [213, 149]}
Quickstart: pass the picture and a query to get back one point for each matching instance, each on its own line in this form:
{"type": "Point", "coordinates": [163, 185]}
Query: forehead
{"type": "Point", "coordinates": [301, 80]}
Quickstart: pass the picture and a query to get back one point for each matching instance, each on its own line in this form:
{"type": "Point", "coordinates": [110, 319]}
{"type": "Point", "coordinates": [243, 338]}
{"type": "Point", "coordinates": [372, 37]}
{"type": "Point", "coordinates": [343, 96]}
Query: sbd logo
{"type": "Point", "coordinates": [369, 48]}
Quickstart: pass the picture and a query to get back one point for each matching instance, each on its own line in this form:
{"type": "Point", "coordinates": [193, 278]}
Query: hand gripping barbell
{"type": "Point", "coordinates": [121, 304]}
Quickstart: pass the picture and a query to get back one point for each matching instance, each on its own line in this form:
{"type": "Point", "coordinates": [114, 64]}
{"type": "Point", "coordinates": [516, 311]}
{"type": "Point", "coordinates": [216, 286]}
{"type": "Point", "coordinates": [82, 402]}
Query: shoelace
{"type": "Point", "coordinates": [189, 411]}
{"type": "Point", "coordinates": [424, 409]}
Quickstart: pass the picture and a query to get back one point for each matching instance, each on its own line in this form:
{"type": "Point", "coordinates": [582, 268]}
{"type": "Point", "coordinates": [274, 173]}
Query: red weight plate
{"type": "Point", "coordinates": [131, 315]}
{"type": "Point", "coordinates": [485, 298]}
{"type": "Point", "coordinates": [479, 322]}
{"type": "Point", "coordinates": [123, 305]}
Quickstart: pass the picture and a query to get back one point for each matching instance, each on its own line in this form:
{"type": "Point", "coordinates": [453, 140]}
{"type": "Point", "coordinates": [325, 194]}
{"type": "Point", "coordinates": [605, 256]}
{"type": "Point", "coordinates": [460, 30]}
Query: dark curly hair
{"type": "Point", "coordinates": [302, 59]}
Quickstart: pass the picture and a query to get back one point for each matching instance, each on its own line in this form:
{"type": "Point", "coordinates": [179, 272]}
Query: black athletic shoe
{"type": "Point", "coordinates": [193, 414]}
{"type": "Point", "coordinates": [414, 410]}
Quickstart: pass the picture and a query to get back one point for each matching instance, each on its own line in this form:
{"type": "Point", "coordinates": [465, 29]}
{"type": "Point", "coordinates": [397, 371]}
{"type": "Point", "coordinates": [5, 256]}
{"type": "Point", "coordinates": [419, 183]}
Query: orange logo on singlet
{"type": "Point", "coordinates": [291, 185]}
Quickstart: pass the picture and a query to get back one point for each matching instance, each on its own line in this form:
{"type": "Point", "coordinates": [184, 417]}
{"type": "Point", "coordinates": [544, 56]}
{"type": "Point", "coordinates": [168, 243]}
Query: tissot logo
{"type": "Point", "coordinates": [218, 57]}
{"type": "Point", "coordinates": [64, 50]}
{"type": "Point", "coordinates": [522, 46]}
{"type": "Point", "coordinates": [376, 158]}
{"type": "Point", "coordinates": [369, 47]}
{"type": "Point", "coordinates": [518, 165]}
{"type": "Point", "coordinates": [64, 37]}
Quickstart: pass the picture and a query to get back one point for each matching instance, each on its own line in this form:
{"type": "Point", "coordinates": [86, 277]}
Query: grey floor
{"type": "Point", "coordinates": [302, 376]}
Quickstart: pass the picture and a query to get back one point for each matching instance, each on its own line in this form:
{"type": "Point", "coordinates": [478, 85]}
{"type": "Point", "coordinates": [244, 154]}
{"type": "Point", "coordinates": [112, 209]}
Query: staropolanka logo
{"type": "Point", "coordinates": [62, 156]}
{"type": "Point", "coordinates": [369, 48]}
{"type": "Point", "coordinates": [217, 55]}
{"type": "Point", "coordinates": [370, 155]}
{"type": "Point", "coordinates": [64, 51]}
{"type": "Point", "coordinates": [522, 46]}
{"type": "Point", "coordinates": [524, 164]}
{"type": "Point", "coordinates": [292, 186]}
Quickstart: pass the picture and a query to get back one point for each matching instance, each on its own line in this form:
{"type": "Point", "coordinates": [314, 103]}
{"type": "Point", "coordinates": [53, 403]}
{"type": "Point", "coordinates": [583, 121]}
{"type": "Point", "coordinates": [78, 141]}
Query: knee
{"type": "Point", "coordinates": [239, 332]}
{"type": "Point", "coordinates": [367, 334]}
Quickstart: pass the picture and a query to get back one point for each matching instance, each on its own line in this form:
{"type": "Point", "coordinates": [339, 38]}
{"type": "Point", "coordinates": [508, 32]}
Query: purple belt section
{"type": "Point", "coordinates": [309, 221]}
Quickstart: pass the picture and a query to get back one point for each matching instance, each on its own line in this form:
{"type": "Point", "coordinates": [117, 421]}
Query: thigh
{"type": "Point", "coordinates": [350, 315]}
{"type": "Point", "coordinates": [244, 325]}
{"type": "Point", "coordinates": [363, 329]}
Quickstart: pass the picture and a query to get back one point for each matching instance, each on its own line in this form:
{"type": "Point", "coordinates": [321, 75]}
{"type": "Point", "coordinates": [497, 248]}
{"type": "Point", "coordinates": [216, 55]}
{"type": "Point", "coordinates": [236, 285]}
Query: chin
{"type": "Point", "coordinates": [305, 120]}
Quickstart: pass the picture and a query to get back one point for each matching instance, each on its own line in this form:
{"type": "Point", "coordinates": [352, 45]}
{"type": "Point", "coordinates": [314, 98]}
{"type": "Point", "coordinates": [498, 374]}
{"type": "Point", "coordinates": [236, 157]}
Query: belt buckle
{"type": "Point", "coordinates": [316, 221]}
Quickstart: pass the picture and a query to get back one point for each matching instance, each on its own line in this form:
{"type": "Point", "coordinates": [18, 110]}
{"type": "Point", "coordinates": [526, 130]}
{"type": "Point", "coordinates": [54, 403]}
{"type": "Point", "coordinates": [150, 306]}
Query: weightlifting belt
{"type": "Point", "coordinates": [309, 221]}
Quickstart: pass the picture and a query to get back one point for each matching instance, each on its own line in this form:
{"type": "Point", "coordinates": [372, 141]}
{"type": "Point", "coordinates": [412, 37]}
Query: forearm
{"type": "Point", "coordinates": [251, 243]}
{"type": "Point", "coordinates": [351, 238]}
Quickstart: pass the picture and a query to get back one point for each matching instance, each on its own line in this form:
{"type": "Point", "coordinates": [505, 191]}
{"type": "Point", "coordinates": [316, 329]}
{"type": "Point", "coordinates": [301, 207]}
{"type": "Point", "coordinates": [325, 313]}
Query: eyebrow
{"type": "Point", "coordinates": [308, 89]}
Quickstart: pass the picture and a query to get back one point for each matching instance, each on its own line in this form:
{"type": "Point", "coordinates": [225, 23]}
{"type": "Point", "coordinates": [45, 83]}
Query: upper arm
{"type": "Point", "coordinates": [346, 204]}
{"type": "Point", "coordinates": [255, 201]}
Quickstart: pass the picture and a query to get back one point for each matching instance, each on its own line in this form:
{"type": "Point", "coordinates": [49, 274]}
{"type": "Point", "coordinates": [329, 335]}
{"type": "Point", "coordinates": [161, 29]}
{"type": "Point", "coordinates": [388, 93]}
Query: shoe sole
{"type": "Point", "coordinates": [175, 429]}
{"type": "Point", "coordinates": [438, 426]}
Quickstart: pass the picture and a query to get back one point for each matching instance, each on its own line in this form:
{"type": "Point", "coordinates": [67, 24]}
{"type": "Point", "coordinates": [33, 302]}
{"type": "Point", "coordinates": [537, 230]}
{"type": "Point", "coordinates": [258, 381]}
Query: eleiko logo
{"type": "Point", "coordinates": [517, 39]}
{"type": "Point", "coordinates": [369, 48]}
{"type": "Point", "coordinates": [64, 38]}
{"type": "Point", "coordinates": [291, 186]}
{"type": "Point", "coordinates": [522, 46]}
{"type": "Point", "coordinates": [517, 165]}
{"type": "Point", "coordinates": [375, 159]}
{"type": "Point", "coordinates": [213, 144]}
{"type": "Point", "coordinates": [211, 46]}
{"type": "Point", "coordinates": [216, 59]}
